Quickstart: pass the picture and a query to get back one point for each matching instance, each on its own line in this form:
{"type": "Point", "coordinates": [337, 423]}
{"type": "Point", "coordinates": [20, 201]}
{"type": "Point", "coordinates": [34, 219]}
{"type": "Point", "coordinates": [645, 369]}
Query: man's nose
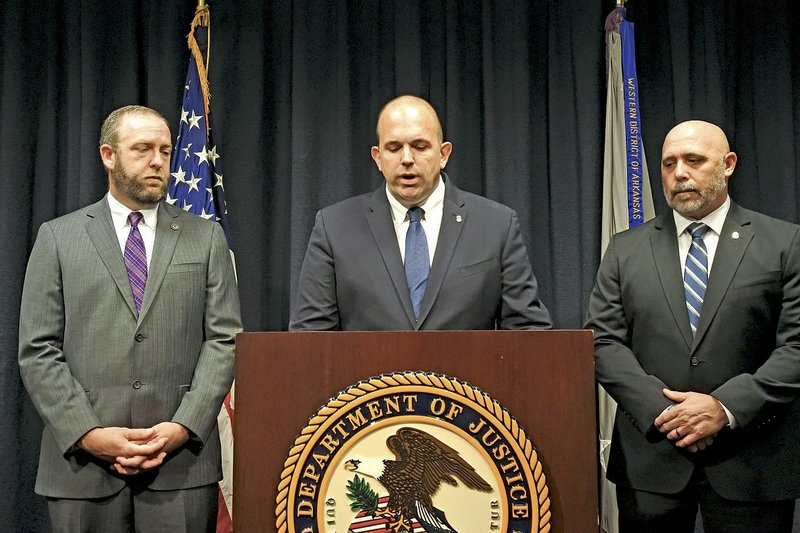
{"type": "Point", "coordinates": [158, 160]}
{"type": "Point", "coordinates": [408, 158]}
{"type": "Point", "coordinates": [680, 170]}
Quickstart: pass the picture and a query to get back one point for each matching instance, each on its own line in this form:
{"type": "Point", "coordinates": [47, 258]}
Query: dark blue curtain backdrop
{"type": "Point", "coordinates": [520, 87]}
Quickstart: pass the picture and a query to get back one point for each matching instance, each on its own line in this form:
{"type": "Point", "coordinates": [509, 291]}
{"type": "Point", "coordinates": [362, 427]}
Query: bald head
{"type": "Point", "coordinates": [410, 152]}
{"type": "Point", "coordinates": [696, 164]}
{"type": "Point", "coordinates": [409, 107]}
{"type": "Point", "coordinates": [700, 131]}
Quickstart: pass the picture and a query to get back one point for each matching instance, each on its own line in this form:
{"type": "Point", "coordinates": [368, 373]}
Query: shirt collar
{"type": "Point", "coordinates": [119, 213]}
{"type": "Point", "coordinates": [434, 201]}
{"type": "Point", "coordinates": [714, 220]}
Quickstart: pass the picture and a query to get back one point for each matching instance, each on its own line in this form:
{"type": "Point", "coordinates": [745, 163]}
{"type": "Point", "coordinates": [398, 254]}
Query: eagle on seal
{"type": "Point", "coordinates": [422, 463]}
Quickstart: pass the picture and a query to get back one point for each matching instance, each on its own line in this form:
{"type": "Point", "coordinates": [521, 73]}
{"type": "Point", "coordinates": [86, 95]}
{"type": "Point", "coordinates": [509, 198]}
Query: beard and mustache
{"type": "Point", "coordinates": [132, 185]}
{"type": "Point", "coordinates": [707, 194]}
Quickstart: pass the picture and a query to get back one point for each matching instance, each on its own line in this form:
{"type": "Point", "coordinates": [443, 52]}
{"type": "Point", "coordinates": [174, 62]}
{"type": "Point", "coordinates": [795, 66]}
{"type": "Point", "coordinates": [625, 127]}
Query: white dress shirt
{"type": "Point", "coordinates": [147, 226]}
{"type": "Point", "coordinates": [714, 220]}
{"type": "Point", "coordinates": [431, 221]}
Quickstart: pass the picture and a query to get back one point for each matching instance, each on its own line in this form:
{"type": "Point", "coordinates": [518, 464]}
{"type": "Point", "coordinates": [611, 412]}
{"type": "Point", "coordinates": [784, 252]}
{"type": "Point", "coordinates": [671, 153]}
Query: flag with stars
{"type": "Point", "coordinates": [196, 185]}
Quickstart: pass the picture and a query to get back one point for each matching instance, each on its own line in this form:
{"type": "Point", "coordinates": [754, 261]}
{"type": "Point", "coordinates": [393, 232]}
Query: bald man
{"type": "Point", "coordinates": [417, 253]}
{"type": "Point", "coordinates": [696, 317]}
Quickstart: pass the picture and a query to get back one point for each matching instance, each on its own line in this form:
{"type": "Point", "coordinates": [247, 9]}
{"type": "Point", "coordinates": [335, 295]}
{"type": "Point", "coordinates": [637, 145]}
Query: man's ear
{"type": "Point", "coordinates": [730, 163]}
{"type": "Point", "coordinates": [108, 156]}
{"type": "Point", "coordinates": [446, 150]}
{"type": "Point", "coordinates": [376, 156]}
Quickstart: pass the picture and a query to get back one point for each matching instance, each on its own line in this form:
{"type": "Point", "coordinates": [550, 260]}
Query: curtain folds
{"type": "Point", "coordinates": [296, 88]}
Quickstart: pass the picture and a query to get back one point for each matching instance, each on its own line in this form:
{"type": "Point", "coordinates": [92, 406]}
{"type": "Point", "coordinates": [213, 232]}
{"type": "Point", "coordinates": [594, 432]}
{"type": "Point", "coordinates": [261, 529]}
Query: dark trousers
{"type": "Point", "coordinates": [138, 511]}
{"type": "Point", "coordinates": [641, 511]}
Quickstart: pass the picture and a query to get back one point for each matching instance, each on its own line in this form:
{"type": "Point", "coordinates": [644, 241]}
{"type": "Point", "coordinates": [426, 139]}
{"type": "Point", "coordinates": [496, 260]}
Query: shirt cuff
{"type": "Point", "coordinates": [732, 423]}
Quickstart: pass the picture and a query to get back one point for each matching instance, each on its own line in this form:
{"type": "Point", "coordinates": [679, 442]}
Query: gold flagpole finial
{"type": "Point", "coordinates": [620, 3]}
{"type": "Point", "coordinates": [201, 4]}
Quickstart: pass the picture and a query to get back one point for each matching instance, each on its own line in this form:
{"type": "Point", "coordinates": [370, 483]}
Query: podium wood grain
{"type": "Point", "coordinates": [544, 378]}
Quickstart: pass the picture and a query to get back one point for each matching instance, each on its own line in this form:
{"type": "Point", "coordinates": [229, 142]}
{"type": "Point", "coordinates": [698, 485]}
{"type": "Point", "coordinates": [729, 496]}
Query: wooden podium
{"type": "Point", "coordinates": [545, 379]}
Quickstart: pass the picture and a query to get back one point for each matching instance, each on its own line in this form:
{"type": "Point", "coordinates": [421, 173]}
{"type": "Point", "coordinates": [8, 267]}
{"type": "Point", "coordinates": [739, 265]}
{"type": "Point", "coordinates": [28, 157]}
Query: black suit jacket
{"type": "Point", "coordinates": [746, 354]}
{"type": "Point", "coordinates": [353, 279]}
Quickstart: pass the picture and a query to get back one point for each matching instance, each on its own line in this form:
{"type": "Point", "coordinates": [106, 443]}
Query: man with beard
{"type": "Point", "coordinates": [127, 324]}
{"type": "Point", "coordinates": [696, 317]}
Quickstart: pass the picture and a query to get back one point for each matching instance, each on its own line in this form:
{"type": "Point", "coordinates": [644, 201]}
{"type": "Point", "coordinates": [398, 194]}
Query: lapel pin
{"type": "Point", "coordinates": [459, 219]}
{"type": "Point", "coordinates": [735, 234]}
{"type": "Point", "coordinates": [174, 226]}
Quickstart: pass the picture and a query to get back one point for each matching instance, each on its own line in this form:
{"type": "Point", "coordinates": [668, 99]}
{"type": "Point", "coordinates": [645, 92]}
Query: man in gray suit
{"type": "Point", "coordinates": [696, 316]}
{"type": "Point", "coordinates": [470, 267]}
{"type": "Point", "coordinates": [127, 326]}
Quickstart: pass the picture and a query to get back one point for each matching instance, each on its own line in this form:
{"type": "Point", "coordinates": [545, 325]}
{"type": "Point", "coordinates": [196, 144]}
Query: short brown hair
{"type": "Point", "coordinates": [109, 131]}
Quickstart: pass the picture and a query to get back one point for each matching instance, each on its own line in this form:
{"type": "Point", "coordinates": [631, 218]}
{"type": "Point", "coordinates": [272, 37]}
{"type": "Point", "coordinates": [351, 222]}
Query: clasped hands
{"type": "Point", "coordinates": [692, 421]}
{"type": "Point", "coordinates": [134, 450]}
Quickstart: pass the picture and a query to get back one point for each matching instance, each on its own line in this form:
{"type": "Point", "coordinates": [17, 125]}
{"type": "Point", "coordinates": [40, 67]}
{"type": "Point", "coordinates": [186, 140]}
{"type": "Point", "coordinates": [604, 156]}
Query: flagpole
{"type": "Point", "coordinates": [197, 186]}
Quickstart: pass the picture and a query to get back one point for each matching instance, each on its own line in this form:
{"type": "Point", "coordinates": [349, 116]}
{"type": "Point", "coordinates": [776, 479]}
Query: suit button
{"type": "Point", "coordinates": [694, 361]}
{"type": "Point", "coordinates": [137, 384]}
{"type": "Point", "coordinates": [139, 337]}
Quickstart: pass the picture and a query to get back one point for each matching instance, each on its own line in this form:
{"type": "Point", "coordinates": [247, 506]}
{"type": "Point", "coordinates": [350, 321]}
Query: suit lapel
{"type": "Point", "coordinates": [664, 243]}
{"type": "Point", "coordinates": [167, 233]}
{"type": "Point", "coordinates": [453, 219]}
{"type": "Point", "coordinates": [379, 219]}
{"type": "Point", "coordinates": [101, 231]}
{"type": "Point", "coordinates": [727, 258]}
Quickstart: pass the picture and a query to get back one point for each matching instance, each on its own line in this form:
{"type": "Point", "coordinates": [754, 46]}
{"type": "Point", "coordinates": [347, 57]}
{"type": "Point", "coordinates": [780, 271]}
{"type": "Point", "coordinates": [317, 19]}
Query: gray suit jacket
{"type": "Point", "coordinates": [88, 361]}
{"type": "Point", "coordinates": [746, 353]}
{"type": "Point", "coordinates": [353, 279]}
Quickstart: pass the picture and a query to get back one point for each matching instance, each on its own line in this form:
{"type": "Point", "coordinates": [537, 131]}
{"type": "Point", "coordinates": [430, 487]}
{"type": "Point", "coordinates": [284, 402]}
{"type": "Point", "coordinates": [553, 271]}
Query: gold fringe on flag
{"type": "Point", "coordinates": [202, 17]}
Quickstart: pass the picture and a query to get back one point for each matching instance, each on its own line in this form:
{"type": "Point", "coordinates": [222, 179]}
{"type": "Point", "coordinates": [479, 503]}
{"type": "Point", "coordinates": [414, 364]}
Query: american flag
{"type": "Point", "coordinates": [197, 181]}
{"type": "Point", "coordinates": [196, 185]}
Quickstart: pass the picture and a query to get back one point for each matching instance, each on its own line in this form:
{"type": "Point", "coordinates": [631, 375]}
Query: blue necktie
{"type": "Point", "coordinates": [695, 273]}
{"type": "Point", "coordinates": [417, 263]}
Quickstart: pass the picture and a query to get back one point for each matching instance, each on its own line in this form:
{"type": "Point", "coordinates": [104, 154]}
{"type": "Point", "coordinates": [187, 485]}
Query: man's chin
{"type": "Point", "coordinates": [688, 209]}
{"type": "Point", "coordinates": [152, 197]}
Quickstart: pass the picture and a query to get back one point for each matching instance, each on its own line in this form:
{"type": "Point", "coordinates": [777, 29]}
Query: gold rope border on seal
{"type": "Point", "coordinates": [414, 378]}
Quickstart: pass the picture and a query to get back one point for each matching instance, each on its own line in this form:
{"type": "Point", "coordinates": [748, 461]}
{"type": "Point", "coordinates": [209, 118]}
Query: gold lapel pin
{"type": "Point", "coordinates": [174, 226]}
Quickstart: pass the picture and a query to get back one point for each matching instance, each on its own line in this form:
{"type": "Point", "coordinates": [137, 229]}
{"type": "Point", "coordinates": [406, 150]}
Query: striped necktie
{"type": "Point", "coordinates": [417, 261]}
{"type": "Point", "coordinates": [136, 259]}
{"type": "Point", "coordinates": [695, 273]}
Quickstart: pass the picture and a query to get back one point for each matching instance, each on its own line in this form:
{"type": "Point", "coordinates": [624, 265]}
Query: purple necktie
{"type": "Point", "coordinates": [136, 259]}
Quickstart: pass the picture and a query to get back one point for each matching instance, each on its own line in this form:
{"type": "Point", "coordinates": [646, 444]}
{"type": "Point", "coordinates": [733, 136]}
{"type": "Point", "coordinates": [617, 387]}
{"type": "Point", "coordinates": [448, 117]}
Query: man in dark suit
{"type": "Point", "coordinates": [697, 338]}
{"type": "Point", "coordinates": [417, 253]}
{"type": "Point", "coordinates": [127, 325]}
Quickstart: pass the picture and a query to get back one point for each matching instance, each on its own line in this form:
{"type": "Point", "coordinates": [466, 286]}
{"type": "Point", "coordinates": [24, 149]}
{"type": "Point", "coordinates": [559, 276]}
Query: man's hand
{"type": "Point", "coordinates": [693, 420]}
{"type": "Point", "coordinates": [133, 451]}
{"type": "Point", "coordinates": [119, 445]}
{"type": "Point", "coordinates": [171, 435]}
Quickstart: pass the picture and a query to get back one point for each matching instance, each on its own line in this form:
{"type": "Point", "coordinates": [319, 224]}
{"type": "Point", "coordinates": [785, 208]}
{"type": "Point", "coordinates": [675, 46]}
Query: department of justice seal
{"type": "Point", "coordinates": [412, 452]}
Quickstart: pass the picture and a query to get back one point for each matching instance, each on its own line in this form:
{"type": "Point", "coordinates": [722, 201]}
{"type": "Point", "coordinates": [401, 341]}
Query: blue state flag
{"type": "Point", "coordinates": [627, 198]}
